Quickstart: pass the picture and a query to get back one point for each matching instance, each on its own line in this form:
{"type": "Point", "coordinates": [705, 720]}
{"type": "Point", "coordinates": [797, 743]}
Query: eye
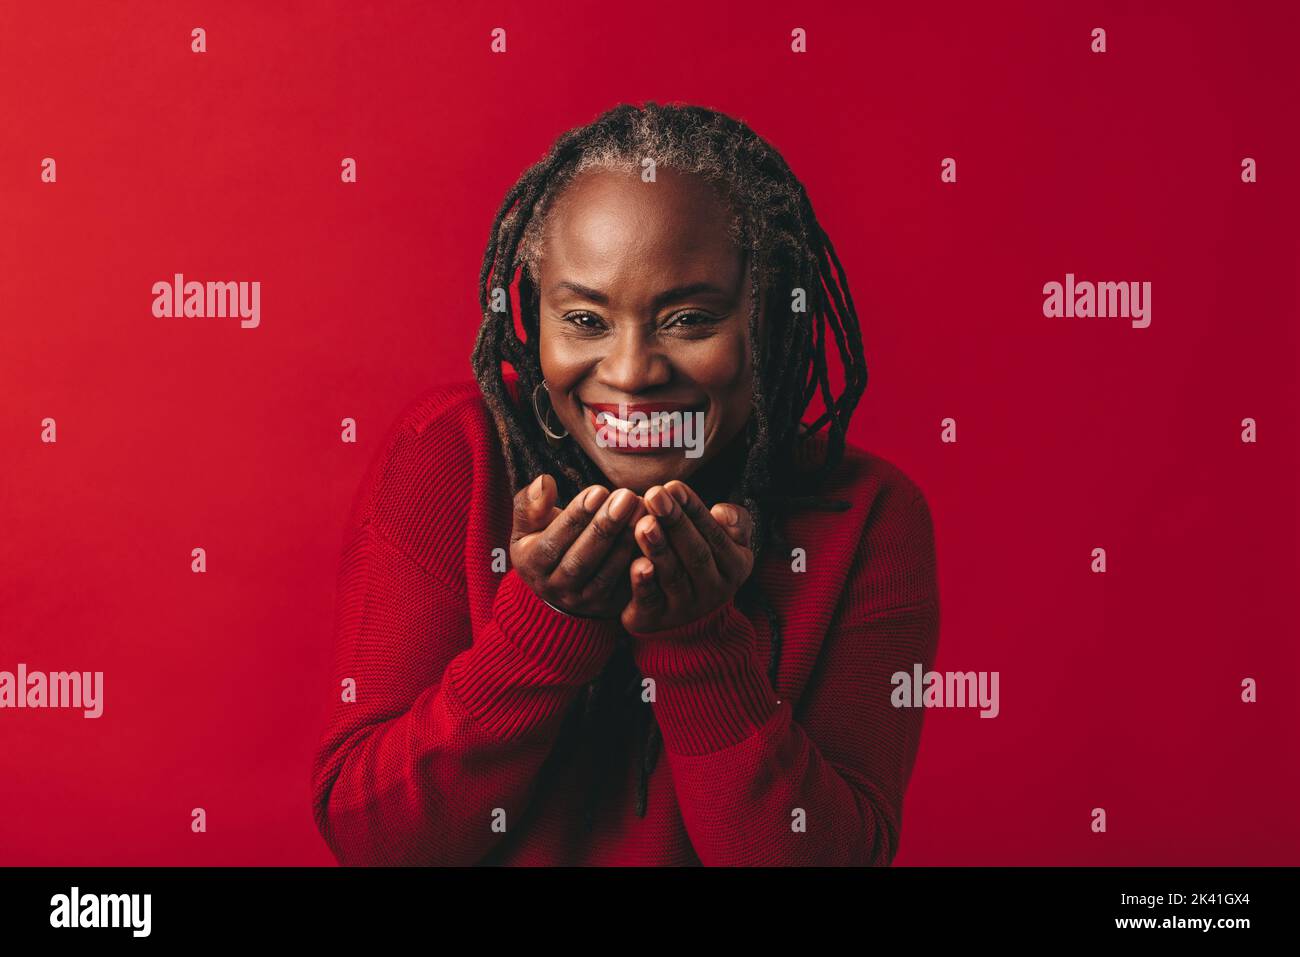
{"type": "Point", "coordinates": [585, 320]}
{"type": "Point", "coordinates": [691, 320]}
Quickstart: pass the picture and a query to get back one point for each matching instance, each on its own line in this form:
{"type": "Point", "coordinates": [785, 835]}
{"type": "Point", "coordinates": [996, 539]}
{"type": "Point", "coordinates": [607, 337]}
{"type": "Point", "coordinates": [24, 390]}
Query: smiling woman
{"type": "Point", "coordinates": [741, 608]}
{"type": "Point", "coordinates": [644, 298]}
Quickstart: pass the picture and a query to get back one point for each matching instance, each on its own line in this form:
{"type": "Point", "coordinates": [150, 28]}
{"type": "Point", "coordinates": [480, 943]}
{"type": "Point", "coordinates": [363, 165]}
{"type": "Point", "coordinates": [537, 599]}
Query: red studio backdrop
{"type": "Point", "coordinates": [1123, 690]}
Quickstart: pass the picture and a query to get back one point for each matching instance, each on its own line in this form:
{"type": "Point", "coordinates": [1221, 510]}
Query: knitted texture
{"type": "Point", "coordinates": [468, 686]}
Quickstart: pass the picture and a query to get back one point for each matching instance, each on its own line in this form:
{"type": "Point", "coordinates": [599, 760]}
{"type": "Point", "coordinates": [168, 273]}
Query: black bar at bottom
{"type": "Point", "coordinates": [206, 905]}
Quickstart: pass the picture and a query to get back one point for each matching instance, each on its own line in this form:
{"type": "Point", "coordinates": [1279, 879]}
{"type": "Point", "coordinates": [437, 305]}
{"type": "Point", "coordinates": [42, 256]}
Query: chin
{"type": "Point", "coordinates": [643, 475]}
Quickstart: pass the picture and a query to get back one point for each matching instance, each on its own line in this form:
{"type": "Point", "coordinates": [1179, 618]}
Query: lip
{"type": "Point", "coordinates": [668, 443]}
{"type": "Point", "coordinates": [646, 407]}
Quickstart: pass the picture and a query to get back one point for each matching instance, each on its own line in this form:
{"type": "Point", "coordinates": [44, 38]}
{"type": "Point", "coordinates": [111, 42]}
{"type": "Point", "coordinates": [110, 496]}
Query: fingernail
{"type": "Point", "coordinates": [621, 505]}
{"type": "Point", "coordinates": [652, 533]}
{"type": "Point", "coordinates": [680, 493]}
{"type": "Point", "coordinates": [661, 502]}
{"type": "Point", "coordinates": [535, 489]}
{"type": "Point", "coordinates": [591, 499]}
{"type": "Point", "coordinates": [733, 517]}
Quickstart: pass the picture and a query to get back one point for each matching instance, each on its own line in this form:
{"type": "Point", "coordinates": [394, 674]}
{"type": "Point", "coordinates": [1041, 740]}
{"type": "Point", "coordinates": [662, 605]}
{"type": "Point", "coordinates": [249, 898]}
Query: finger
{"type": "Point", "coordinates": [609, 580]}
{"type": "Point", "coordinates": [534, 507]}
{"type": "Point", "coordinates": [611, 573]}
{"type": "Point", "coordinates": [738, 526]}
{"type": "Point", "coordinates": [648, 602]}
{"type": "Point", "coordinates": [735, 521]}
{"type": "Point", "coordinates": [708, 526]}
{"type": "Point", "coordinates": [690, 546]}
{"type": "Point", "coordinates": [594, 542]}
{"type": "Point", "coordinates": [645, 587]}
{"type": "Point", "coordinates": [553, 542]}
{"type": "Point", "coordinates": [669, 572]}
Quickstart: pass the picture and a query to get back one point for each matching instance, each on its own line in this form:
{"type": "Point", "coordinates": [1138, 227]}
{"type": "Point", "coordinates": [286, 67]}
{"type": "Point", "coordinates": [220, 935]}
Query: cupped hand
{"type": "Point", "coordinates": [693, 558]}
{"type": "Point", "coordinates": [576, 558]}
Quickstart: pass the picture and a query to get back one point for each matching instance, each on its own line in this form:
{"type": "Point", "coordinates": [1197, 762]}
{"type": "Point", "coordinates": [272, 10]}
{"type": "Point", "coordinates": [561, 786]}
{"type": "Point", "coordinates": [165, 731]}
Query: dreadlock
{"type": "Point", "coordinates": [786, 249]}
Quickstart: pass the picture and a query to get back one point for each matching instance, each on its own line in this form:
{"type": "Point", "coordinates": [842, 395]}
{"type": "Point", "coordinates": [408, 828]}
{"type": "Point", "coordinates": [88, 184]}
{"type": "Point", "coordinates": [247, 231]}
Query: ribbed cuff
{"type": "Point", "coordinates": [710, 692]}
{"type": "Point", "coordinates": [526, 669]}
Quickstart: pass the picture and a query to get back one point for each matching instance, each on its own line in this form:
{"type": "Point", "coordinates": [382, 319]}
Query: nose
{"type": "Point", "coordinates": [633, 365]}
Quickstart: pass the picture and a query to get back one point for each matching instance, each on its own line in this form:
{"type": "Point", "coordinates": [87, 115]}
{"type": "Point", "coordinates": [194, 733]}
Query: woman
{"type": "Point", "coordinates": [735, 595]}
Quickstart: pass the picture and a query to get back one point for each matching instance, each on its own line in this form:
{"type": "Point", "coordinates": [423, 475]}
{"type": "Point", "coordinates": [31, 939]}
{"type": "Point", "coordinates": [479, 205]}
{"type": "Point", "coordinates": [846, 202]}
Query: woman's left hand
{"type": "Point", "coordinates": [694, 558]}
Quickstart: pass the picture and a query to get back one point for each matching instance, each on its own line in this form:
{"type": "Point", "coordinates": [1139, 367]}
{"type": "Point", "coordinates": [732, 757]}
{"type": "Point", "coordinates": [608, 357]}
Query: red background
{"type": "Point", "coordinates": [1119, 691]}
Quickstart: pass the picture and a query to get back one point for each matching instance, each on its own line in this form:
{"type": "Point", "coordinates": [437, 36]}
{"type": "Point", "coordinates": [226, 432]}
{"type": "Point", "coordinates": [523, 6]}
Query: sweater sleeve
{"type": "Point", "coordinates": [758, 786]}
{"type": "Point", "coordinates": [434, 760]}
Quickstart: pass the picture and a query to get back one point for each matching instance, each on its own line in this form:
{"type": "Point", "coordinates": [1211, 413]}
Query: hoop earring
{"type": "Point", "coordinates": [538, 412]}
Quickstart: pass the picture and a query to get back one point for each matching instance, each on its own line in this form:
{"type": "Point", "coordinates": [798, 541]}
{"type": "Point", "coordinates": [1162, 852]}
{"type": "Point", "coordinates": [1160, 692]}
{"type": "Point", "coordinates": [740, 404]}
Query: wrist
{"type": "Point", "coordinates": [569, 614]}
{"type": "Point", "coordinates": [713, 692]}
{"type": "Point", "coordinates": [540, 629]}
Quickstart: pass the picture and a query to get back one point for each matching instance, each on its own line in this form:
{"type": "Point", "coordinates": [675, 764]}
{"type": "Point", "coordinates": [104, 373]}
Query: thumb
{"type": "Point", "coordinates": [534, 506]}
{"type": "Point", "coordinates": [736, 521]}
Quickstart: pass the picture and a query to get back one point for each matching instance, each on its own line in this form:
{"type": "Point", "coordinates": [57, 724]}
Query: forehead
{"type": "Point", "coordinates": [609, 225]}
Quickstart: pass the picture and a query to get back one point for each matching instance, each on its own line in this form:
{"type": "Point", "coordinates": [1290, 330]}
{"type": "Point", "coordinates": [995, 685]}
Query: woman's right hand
{"type": "Point", "coordinates": [576, 558]}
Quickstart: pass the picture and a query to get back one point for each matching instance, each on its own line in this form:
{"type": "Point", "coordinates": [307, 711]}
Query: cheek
{"type": "Point", "coordinates": [560, 363]}
{"type": "Point", "coordinates": [725, 373]}
{"type": "Point", "coordinates": [723, 365]}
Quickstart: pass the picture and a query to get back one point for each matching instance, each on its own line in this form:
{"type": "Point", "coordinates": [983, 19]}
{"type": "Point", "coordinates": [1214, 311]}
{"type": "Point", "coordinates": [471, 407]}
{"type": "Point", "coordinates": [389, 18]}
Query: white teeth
{"type": "Point", "coordinates": [621, 424]}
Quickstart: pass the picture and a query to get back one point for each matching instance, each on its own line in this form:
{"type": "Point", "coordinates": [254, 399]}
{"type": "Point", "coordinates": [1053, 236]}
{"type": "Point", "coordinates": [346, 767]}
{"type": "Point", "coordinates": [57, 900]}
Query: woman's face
{"type": "Point", "coordinates": [645, 305]}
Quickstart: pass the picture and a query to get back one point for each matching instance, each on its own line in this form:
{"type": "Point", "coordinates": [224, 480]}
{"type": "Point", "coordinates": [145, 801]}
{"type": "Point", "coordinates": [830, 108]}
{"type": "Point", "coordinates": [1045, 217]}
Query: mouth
{"type": "Point", "coordinates": [644, 428]}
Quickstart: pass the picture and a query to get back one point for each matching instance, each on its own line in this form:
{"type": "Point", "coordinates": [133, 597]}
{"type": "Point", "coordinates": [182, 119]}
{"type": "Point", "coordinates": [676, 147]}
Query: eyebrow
{"type": "Point", "coordinates": [667, 296]}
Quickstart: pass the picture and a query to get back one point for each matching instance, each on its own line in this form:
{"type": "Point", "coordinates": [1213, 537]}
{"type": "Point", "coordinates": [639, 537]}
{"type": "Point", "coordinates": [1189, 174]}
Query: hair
{"type": "Point", "coordinates": [772, 222]}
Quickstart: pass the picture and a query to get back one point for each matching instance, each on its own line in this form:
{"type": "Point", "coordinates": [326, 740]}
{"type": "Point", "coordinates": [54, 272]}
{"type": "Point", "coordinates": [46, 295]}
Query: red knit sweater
{"type": "Point", "coordinates": [464, 678]}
